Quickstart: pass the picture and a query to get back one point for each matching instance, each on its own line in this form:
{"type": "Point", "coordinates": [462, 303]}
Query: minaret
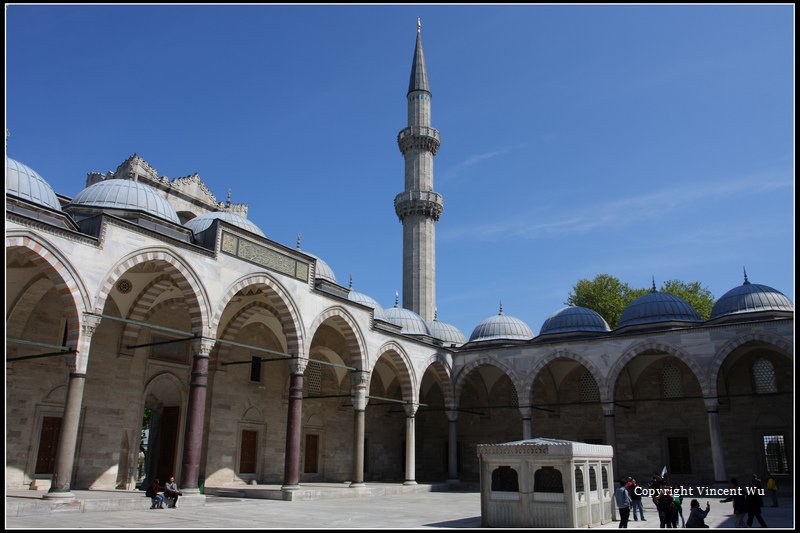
{"type": "Point", "coordinates": [419, 207]}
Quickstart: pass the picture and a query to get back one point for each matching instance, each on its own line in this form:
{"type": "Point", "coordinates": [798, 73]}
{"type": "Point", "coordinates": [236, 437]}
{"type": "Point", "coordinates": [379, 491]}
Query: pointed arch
{"type": "Point", "coordinates": [238, 321]}
{"type": "Point", "coordinates": [145, 299]}
{"type": "Point", "coordinates": [441, 368]}
{"type": "Point", "coordinates": [181, 274]}
{"type": "Point", "coordinates": [463, 374]}
{"type": "Point", "coordinates": [781, 344]}
{"type": "Point", "coordinates": [402, 362]}
{"type": "Point", "coordinates": [561, 353]}
{"type": "Point", "coordinates": [645, 346]}
{"type": "Point", "coordinates": [349, 329]}
{"type": "Point", "coordinates": [70, 286]}
{"type": "Point", "coordinates": [286, 308]}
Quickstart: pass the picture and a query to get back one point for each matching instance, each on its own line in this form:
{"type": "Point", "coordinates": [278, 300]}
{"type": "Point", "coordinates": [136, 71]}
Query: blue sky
{"type": "Point", "coordinates": [637, 141]}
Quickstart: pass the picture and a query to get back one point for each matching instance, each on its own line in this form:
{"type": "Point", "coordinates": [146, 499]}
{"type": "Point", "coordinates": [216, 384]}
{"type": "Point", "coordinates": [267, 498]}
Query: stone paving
{"type": "Point", "coordinates": [420, 509]}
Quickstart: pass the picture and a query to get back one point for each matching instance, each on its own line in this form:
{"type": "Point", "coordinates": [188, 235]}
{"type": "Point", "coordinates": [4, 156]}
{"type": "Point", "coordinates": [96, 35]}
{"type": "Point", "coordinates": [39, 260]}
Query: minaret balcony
{"type": "Point", "coordinates": [419, 137]}
{"type": "Point", "coordinates": [426, 203]}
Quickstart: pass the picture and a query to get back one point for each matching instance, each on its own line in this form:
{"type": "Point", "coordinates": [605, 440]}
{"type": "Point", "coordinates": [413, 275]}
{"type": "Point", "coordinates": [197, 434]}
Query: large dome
{"type": "Point", "coordinates": [573, 319]}
{"type": "Point", "coordinates": [205, 220]}
{"type": "Point", "coordinates": [447, 333]}
{"type": "Point", "coordinates": [24, 182]}
{"type": "Point", "coordinates": [501, 326]}
{"type": "Point", "coordinates": [126, 194]}
{"type": "Point", "coordinates": [412, 323]}
{"type": "Point", "coordinates": [656, 307]}
{"type": "Point", "coordinates": [750, 298]}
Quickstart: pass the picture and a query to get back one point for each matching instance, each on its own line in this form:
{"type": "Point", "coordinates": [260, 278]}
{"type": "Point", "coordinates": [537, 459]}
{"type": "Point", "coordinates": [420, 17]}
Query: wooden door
{"type": "Point", "coordinates": [247, 457]}
{"type": "Point", "coordinates": [48, 444]}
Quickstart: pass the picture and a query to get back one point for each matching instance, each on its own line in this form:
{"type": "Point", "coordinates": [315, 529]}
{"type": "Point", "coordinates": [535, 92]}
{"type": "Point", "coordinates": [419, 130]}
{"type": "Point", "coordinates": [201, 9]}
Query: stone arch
{"type": "Point", "coordinates": [287, 312]}
{"type": "Point", "coordinates": [582, 360]}
{"type": "Point", "coordinates": [165, 376]}
{"type": "Point", "coordinates": [253, 414]}
{"type": "Point", "coordinates": [439, 365]}
{"type": "Point", "coordinates": [669, 349]}
{"type": "Point", "coordinates": [148, 295]}
{"type": "Point", "coordinates": [179, 272]}
{"type": "Point", "coordinates": [484, 360]}
{"type": "Point", "coordinates": [237, 322]}
{"type": "Point", "coordinates": [406, 375]}
{"type": "Point", "coordinates": [781, 344]}
{"type": "Point", "coordinates": [62, 274]}
{"type": "Point", "coordinates": [350, 331]}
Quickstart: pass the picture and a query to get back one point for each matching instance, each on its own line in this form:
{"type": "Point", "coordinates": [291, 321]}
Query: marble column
{"type": "Point", "coordinates": [195, 417]}
{"type": "Point", "coordinates": [77, 363]}
{"type": "Point", "coordinates": [452, 447]}
{"type": "Point", "coordinates": [527, 428]}
{"type": "Point", "coordinates": [717, 454]}
{"type": "Point", "coordinates": [411, 477]}
{"type": "Point", "coordinates": [611, 434]}
{"type": "Point", "coordinates": [294, 425]}
{"type": "Point", "coordinates": [359, 380]}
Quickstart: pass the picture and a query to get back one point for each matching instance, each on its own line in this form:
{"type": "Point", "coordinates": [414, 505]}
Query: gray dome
{"type": "Point", "coordinates": [412, 323]}
{"type": "Point", "coordinates": [205, 220]}
{"type": "Point", "coordinates": [24, 182]}
{"type": "Point", "coordinates": [359, 297]}
{"type": "Point", "coordinates": [751, 298]}
{"type": "Point", "coordinates": [126, 194]}
{"type": "Point", "coordinates": [323, 271]}
{"type": "Point", "coordinates": [572, 319]}
{"type": "Point", "coordinates": [501, 326]}
{"type": "Point", "coordinates": [656, 307]}
{"type": "Point", "coordinates": [445, 332]}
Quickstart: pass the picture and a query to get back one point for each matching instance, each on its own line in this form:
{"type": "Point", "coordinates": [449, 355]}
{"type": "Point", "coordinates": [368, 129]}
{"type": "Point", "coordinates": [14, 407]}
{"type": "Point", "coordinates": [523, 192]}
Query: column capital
{"type": "Point", "coordinates": [608, 409]}
{"type": "Point", "coordinates": [525, 412]}
{"type": "Point", "coordinates": [359, 378]}
{"type": "Point", "coordinates": [411, 409]}
{"type": "Point", "coordinates": [712, 404]}
{"type": "Point", "coordinates": [452, 415]}
{"type": "Point", "coordinates": [203, 346]}
{"type": "Point", "coordinates": [89, 324]}
{"type": "Point", "coordinates": [298, 365]}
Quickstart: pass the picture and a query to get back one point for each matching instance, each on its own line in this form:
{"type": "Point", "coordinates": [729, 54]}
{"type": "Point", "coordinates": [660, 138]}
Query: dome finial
{"type": "Point", "coordinates": [298, 240]}
{"type": "Point", "coordinates": [351, 281]}
{"type": "Point", "coordinates": [8, 134]}
{"type": "Point", "coordinates": [501, 308]}
{"type": "Point", "coordinates": [228, 203]}
{"type": "Point", "coordinates": [654, 285]}
{"type": "Point", "coordinates": [419, 24]}
{"type": "Point", "coordinates": [435, 313]}
{"type": "Point", "coordinates": [396, 299]}
{"type": "Point", "coordinates": [746, 281]}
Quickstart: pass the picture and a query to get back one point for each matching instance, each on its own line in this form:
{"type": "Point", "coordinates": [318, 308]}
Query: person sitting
{"type": "Point", "coordinates": [156, 497]}
{"type": "Point", "coordinates": [171, 493]}
{"type": "Point", "coordinates": [697, 516]}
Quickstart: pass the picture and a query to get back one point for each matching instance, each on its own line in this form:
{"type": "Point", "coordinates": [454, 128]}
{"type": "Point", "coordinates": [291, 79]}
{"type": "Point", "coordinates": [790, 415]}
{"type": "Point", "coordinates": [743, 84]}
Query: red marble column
{"type": "Point", "coordinates": [195, 417]}
{"type": "Point", "coordinates": [294, 426]}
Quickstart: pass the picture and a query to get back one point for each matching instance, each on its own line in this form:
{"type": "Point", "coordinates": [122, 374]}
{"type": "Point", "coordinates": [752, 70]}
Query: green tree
{"type": "Point", "coordinates": [698, 296]}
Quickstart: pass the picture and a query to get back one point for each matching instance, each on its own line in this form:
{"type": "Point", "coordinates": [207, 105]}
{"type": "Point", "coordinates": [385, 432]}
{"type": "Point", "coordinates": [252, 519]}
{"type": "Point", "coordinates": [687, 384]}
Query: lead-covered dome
{"type": "Point", "coordinates": [750, 298]}
{"type": "Point", "coordinates": [501, 326]}
{"type": "Point", "coordinates": [656, 307]}
{"type": "Point", "coordinates": [447, 333]}
{"type": "Point", "coordinates": [126, 194]}
{"type": "Point", "coordinates": [363, 299]}
{"type": "Point", "coordinates": [204, 221]}
{"type": "Point", "coordinates": [24, 182]}
{"type": "Point", "coordinates": [411, 322]}
{"type": "Point", "coordinates": [574, 319]}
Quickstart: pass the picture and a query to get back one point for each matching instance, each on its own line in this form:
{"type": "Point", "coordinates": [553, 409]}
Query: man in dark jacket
{"type": "Point", "coordinates": [739, 503]}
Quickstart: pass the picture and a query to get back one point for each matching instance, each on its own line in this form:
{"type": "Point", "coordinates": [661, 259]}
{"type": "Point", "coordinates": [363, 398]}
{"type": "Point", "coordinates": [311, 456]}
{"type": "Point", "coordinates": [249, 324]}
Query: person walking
{"type": "Point", "coordinates": [739, 503]}
{"type": "Point", "coordinates": [753, 503]}
{"type": "Point", "coordinates": [636, 499]}
{"type": "Point", "coordinates": [623, 500]}
{"type": "Point", "coordinates": [772, 488]}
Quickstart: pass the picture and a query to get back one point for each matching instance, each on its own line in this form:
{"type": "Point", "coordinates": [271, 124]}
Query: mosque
{"type": "Point", "coordinates": [146, 302]}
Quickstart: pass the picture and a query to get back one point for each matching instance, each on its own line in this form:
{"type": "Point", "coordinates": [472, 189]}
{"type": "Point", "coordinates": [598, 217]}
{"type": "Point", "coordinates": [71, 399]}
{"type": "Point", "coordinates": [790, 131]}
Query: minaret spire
{"type": "Point", "coordinates": [419, 206]}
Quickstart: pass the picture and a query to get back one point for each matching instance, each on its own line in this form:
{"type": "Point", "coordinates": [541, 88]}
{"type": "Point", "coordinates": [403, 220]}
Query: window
{"type": "Point", "coordinates": [671, 386]}
{"type": "Point", "coordinates": [255, 369]}
{"type": "Point", "coordinates": [605, 477]}
{"type": "Point", "coordinates": [588, 388]}
{"type": "Point", "coordinates": [775, 454]}
{"type": "Point", "coordinates": [592, 479]}
{"type": "Point", "coordinates": [313, 378]}
{"type": "Point", "coordinates": [579, 479]}
{"type": "Point", "coordinates": [764, 377]}
{"type": "Point", "coordinates": [547, 479]}
{"type": "Point", "coordinates": [504, 478]}
{"type": "Point", "coordinates": [679, 460]}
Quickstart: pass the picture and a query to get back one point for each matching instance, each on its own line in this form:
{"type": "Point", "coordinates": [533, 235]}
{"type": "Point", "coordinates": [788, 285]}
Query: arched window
{"type": "Point", "coordinates": [605, 477]}
{"type": "Point", "coordinates": [764, 377]}
{"type": "Point", "coordinates": [547, 479]}
{"type": "Point", "coordinates": [588, 388]}
{"type": "Point", "coordinates": [592, 479]}
{"type": "Point", "coordinates": [579, 479]}
{"type": "Point", "coordinates": [513, 398]}
{"type": "Point", "coordinates": [505, 479]}
{"type": "Point", "coordinates": [671, 386]}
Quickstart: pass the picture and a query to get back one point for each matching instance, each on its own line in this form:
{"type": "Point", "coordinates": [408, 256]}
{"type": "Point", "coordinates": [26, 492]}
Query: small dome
{"type": "Point", "coordinates": [445, 332]}
{"type": "Point", "coordinates": [411, 322]}
{"type": "Point", "coordinates": [750, 298]}
{"type": "Point", "coordinates": [24, 182]}
{"type": "Point", "coordinates": [323, 271]}
{"type": "Point", "coordinates": [359, 297]}
{"type": "Point", "coordinates": [572, 319]}
{"type": "Point", "coordinates": [126, 194]}
{"type": "Point", "coordinates": [656, 307]}
{"type": "Point", "coordinates": [501, 326]}
{"type": "Point", "coordinates": [203, 222]}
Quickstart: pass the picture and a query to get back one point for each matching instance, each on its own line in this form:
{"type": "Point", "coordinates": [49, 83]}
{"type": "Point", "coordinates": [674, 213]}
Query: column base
{"type": "Point", "coordinates": [357, 485]}
{"type": "Point", "coordinates": [290, 487]}
{"type": "Point", "coordinates": [409, 482]}
{"type": "Point", "coordinates": [64, 495]}
{"type": "Point", "coordinates": [194, 491]}
{"type": "Point", "coordinates": [453, 481]}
